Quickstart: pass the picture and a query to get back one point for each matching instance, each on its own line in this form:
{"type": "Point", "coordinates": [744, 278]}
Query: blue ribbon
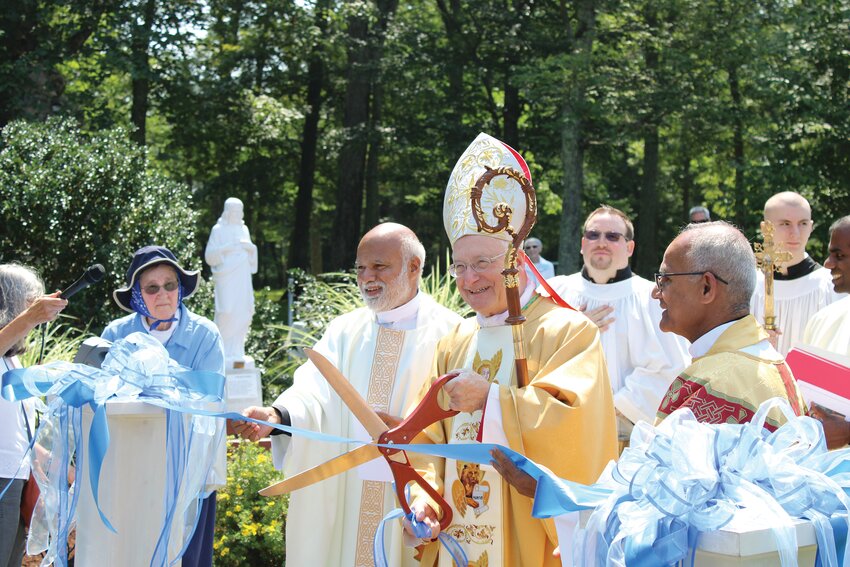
{"type": "Point", "coordinates": [420, 530]}
{"type": "Point", "coordinates": [673, 482]}
{"type": "Point", "coordinates": [137, 368]}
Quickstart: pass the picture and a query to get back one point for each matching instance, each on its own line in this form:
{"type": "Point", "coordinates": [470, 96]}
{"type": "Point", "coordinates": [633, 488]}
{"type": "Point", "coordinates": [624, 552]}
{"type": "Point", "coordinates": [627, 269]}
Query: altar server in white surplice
{"type": "Point", "coordinates": [829, 329]}
{"type": "Point", "coordinates": [642, 360]}
{"type": "Point", "coordinates": [801, 286]}
{"type": "Point", "coordinates": [385, 350]}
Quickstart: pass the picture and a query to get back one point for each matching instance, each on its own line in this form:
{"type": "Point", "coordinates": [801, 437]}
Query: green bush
{"type": "Point", "coordinates": [249, 528]}
{"type": "Point", "coordinates": [62, 340]}
{"type": "Point", "coordinates": [70, 200]}
{"type": "Point", "coordinates": [321, 299]}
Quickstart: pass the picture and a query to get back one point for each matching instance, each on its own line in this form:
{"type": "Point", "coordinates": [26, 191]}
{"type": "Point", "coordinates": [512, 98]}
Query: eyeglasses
{"type": "Point", "coordinates": [609, 236]}
{"type": "Point", "coordinates": [662, 277]}
{"type": "Point", "coordinates": [530, 246]}
{"type": "Point", "coordinates": [153, 289]}
{"type": "Point", "coordinates": [457, 269]}
{"type": "Point", "coordinates": [700, 221]}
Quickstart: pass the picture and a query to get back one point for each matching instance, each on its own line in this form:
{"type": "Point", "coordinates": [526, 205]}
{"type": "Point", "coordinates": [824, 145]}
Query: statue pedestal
{"type": "Point", "coordinates": [244, 388]}
{"type": "Point", "coordinates": [132, 485]}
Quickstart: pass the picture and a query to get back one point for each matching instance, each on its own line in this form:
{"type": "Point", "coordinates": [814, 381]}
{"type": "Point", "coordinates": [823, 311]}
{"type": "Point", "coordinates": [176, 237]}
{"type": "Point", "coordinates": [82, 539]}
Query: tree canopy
{"type": "Point", "coordinates": [328, 116]}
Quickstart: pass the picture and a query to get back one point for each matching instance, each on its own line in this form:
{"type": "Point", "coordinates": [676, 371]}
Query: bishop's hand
{"type": "Point", "coordinates": [467, 391]}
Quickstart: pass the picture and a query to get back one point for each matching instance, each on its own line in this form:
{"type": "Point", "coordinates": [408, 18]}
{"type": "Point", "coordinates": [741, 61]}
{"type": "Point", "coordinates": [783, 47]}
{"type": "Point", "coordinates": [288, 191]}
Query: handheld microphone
{"type": "Point", "coordinates": [92, 275]}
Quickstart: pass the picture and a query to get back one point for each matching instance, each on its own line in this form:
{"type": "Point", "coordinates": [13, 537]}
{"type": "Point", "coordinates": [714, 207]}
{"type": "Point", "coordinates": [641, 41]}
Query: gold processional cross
{"type": "Point", "coordinates": [768, 258]}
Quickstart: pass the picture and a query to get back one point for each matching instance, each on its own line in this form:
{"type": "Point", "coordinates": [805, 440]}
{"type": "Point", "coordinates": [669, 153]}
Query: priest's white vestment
{"type": "Point", "coordinates": [829, 328]}
{"type": "Point", "coordinates": [795, 302]}
{"type": "Point", "coordinates": [642, 360]}
{"type": "Point", "coordinates": [333, 522]}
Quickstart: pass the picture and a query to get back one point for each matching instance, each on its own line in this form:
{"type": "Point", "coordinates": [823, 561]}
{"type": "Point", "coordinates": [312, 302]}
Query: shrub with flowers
{"type": "Point", "coordinates": [249, 528]}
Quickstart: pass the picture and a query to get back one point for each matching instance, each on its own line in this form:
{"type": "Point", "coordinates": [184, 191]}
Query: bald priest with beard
{"type": "Point", "coordinates": [385, 350]}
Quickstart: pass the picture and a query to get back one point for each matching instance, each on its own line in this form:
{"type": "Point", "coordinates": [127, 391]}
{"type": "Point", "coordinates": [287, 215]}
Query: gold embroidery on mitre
{"type": "Point", "coordinates": [484, 152]}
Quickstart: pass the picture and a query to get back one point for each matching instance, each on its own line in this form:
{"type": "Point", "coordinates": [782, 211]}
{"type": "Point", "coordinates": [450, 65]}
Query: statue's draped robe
{"type": "Point", "coordinates": [234, 292]}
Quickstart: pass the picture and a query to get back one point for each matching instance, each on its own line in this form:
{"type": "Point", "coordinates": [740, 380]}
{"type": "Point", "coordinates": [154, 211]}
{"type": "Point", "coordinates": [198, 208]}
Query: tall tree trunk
{"type": "Point", "coordinates": [686, 181]}
{"type": "Point", "coordinates": [646, 248]}
{"type": "Point", "coordinates": [352, 155]}
{"type": "Point", "coordinates": [511, 113]}
{"type": "Point", "coordinates": [300, 247]}
{"type": "Point", "coordinates": [572, 157]}
{"type": "Point", "coordinates": [364, 56]}
{"type": "Point", "coordinates": [572, 138]}
{"type": "Point", "coordinates": [141, 72]}
{"type": "Point", "coordinates": [372, 215]}
{"type": "Point", "coordinates": [646, 244]}
{"type": "Point", "coordinates": [738, 146]}
{"type": "Point", "coordinates": [386, 10]}
{"type": "Point", "coordinates": [451, 12]}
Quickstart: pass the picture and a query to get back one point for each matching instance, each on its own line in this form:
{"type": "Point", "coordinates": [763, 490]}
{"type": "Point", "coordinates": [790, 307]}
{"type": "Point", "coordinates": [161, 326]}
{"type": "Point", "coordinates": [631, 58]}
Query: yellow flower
{"type": "Point", "coordinates": [225, 551]}
{"type": "Point", "coordinates": [229, 514]}
{"type": "Point", "coordinates": [239, 492]}
{"type": "Point", "coordinates": [223, 496]}
{"type": "Point", "coordinates": [237, 508]}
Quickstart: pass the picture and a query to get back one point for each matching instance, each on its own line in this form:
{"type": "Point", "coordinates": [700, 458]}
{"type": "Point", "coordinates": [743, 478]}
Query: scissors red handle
{"type": "Point", "coordinates": [427, 412]}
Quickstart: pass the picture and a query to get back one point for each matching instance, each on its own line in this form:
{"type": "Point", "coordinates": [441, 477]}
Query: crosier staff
{"type": "Point", "coordinates": [503, 212]}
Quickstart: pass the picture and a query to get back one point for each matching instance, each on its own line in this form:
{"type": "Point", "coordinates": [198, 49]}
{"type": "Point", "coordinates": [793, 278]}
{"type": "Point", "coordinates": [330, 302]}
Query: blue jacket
{"type": "Point", "coordinates": [195, 343]}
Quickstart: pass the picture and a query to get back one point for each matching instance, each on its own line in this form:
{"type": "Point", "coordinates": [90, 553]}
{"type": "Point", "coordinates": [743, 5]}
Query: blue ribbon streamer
{"type": "Point", "coordinates": [137, 368]}
{"type": "Point", "coordinates": [672, 483]}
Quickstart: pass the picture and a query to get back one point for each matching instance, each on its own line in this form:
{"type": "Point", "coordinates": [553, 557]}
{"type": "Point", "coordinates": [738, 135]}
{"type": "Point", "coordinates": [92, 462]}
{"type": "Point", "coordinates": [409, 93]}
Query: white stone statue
{"type": "Point", "coordinates": [233, 258]}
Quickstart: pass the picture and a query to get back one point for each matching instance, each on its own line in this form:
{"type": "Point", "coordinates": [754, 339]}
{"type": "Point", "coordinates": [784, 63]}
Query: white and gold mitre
{"type": "Point", "coordinates": [485, 151]}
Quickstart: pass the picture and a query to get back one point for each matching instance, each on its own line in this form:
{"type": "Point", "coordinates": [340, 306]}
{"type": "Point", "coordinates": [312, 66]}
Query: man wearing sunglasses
{"type": "Point", "coordinates": [642, 360]}
{"type": "Point", "coordinates": [801, 286]}
{"type": "Point", "coordinates": [704, 286]}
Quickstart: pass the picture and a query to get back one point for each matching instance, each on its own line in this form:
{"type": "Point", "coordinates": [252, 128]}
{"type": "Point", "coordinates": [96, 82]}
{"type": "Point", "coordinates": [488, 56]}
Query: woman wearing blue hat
{"type": "Point", "coordinates": [156, 288]}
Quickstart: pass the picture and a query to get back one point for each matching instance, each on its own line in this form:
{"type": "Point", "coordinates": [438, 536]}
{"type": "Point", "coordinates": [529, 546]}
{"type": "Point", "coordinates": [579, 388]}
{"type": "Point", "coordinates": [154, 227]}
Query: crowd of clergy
{"type": "Point", "coordinates": [605, 349]}
{"type": "Point", "coordinates": [626, 349]}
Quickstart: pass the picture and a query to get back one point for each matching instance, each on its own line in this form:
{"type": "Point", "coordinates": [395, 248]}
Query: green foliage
{"type": "Point", "coordinates": [264, 338]}
{"type": "Point", "coordinates": [61, 342]}
{"type": "Point", "coordinates": [321, 299]}
{"type": "Point", "coordinates": [70, 200]}
{"type": "Point", "coordinates": [440, 285]}
{"type": "Point", "coordinates": [249, 528]}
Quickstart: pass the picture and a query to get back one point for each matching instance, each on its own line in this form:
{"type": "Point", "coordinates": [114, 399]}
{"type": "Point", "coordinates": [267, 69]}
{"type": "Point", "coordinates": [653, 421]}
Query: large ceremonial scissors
{"type": "Point", "coordinates": [427, 412]}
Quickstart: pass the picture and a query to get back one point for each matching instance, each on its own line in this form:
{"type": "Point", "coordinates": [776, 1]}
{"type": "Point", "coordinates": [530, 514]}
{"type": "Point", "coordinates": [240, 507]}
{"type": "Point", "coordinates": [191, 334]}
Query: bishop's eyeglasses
{"type": "Point", "coordinates": [663, 278]}
{"type": "Point", "coordinates": [459, 268]}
